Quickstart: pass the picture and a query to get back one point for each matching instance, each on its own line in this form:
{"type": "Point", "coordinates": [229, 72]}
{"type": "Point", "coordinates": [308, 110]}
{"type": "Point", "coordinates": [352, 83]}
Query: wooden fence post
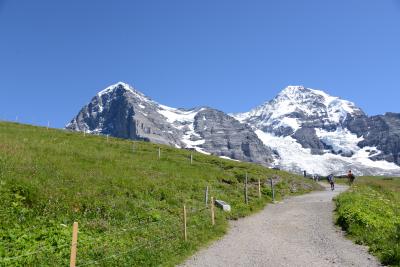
{"type": "Point", "coordinates": [191, 158]}
{"type": "Point", "coordinates": [259, 188]}
{"type": "Point", "coordinates": [74, 245]}
{"type": "Point", "coordinates": [246, 196]}
{"type": "Point", "coordinates": [184, 223]}
{"type": "Point", "coordinates": [273, 191]}
{"type": "Point", "coordinates": [107, 137]}
{"type": "Point", "coordinates": [206, 196]}
{"type": "Point", "coordinates": [212, 211]}
{"type": "Point", "coordinates": [159, 152]}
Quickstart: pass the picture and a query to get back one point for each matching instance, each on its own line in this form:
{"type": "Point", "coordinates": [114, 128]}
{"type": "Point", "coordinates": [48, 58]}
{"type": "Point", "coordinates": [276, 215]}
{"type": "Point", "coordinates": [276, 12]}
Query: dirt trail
{"type": "Point", "coordinates": [299, 231]}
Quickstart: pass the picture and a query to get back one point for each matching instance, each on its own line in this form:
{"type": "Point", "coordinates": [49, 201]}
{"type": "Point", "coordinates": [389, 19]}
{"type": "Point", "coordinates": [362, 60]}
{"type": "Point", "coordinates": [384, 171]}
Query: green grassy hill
{"type": "Point", "coordinates": [127, 201]}
{"type": "Point", "coordinates": [370, 212]}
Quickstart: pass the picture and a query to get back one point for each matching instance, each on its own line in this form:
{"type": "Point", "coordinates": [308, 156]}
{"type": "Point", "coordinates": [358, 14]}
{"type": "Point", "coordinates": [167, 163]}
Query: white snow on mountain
{"type": "Point", "coordinates": [296, 158]}
{"type": "Point", "coordinates": [178, 116]}
{"type": "Point", "coordinates": [341, 140]}
{"type": "Point", "coordinates": [228, 158]}
{"type": "Point", "coordinates": [184, 120]}
{"type": "Point", "coordinates": [126, 87]}
{"type": "Point", "coordinates": [337, 109]}
{"type": "Point", "coordinates": [296, 106]}
{"type": "Point", "coordinates": [294, 100]}
{"type": "Point", "coordinates": [111, 88]}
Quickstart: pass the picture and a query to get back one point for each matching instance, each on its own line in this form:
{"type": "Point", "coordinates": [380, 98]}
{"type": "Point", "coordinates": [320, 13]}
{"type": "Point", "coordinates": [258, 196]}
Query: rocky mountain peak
{"type": "Point", "coordinates": [121, 111]}
{"type": "Point", "coordinates": [293, 91]}
{"type": "Point", "coordinates": [121, 88]}
{"type": "Point", "coordinates": [298, 106]}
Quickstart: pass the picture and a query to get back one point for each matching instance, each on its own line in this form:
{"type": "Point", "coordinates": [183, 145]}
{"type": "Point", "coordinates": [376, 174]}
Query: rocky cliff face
{"type": "Point", "coordinates": [225, 136]}
{"type": "Point", "coordinates": [382, 132]}
{"type": "Point", "coordinates": [124, 112]}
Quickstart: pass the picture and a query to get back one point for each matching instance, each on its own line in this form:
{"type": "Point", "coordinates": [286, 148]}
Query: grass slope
{"type": "Point", "coordinates": [370, 212]}
{"type": "Point", "coordinates": [127, 201]}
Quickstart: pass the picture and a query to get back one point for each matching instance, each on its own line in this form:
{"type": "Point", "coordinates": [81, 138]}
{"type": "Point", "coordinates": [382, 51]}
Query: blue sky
{"type": "Point", "coordinates": [231, 55]}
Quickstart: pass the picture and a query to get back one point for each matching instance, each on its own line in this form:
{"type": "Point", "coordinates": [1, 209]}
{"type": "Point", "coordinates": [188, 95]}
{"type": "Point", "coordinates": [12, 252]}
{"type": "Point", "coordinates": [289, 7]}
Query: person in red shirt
{"type": "Point", "coordinates": [351, 177]}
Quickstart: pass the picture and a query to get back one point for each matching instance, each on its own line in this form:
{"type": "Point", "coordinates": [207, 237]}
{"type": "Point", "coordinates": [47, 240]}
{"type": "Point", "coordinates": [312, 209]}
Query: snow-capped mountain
{"type": "Point", "coordinates": [300, 129]}
{"type": "Point", "coordinates": [121, 111]}
{"type": "Point", "coordinates": [296, 107]}
{"type": "Point", "coordinates": [322, 134]}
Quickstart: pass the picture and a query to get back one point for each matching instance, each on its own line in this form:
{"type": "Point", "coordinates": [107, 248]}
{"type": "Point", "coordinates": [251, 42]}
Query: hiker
{"type": "Point", "coordinates": [351, 177]}
{"type": "Point", "coordinates": [331, 180]}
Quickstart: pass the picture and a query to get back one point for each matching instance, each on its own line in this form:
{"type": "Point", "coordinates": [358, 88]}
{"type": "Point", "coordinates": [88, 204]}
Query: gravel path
{"type": "Point", "coordinates": [299, 231]}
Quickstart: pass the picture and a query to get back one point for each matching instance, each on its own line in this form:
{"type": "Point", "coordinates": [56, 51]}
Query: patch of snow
{"type": "Point", "coordinates": [337, 109]}
{"type": "Point", "coordinates": [241, 117]}
{"type": "Point", "coordinates": [186, 138]}
{"type": "Point", "coordinates": [177, 115]}
{"type": "Point", "coordinates": [100, 105]}
{"type": "Point", "coordinates": [111, 88]}
{"type": "Point", "coordinates": [289, 122]}
{"type": "Point", "coordinates": [341, 140]}
{"type": "Point", "coordinates": [142, 106]}
{"type": "Point", "coordinates": [363, 157]}
{"type": "Point", "coordinates": [184, 121]}
{"type": "Point", "coordinates": [198, 149]}
{"type": "Point", "coordinates": [224, 157]}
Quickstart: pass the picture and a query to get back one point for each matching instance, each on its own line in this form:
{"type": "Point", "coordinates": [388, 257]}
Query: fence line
{"type": "Point", "coordinates": [141, 225]}
{"type": "Point", "coordinates": [87, 241]}
{"type": "Point", "coordinates": [231, 189]}
{"type": "Point", "coordinates": [128, 251]}
{"type": "Point", "coordinates": [35, 252]}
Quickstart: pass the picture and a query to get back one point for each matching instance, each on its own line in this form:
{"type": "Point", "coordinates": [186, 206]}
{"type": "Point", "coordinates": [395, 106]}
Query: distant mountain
{"type": "Point", "coordinates": [300, 129]}
{"type": "Point", "coordinates": [322, 134]}
{"type": "Point", "coordinates": [124, 112]}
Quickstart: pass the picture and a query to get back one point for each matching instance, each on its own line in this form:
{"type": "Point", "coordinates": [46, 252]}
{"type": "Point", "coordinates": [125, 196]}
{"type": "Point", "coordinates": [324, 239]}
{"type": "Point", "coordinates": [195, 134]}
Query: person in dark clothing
{"type": "Point", "coordinates": [331, 180]}
{"type": "Point", "coordinates": [351, 177]}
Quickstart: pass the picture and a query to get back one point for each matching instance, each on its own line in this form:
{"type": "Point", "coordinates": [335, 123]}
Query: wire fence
{"type": "Point", "coordinates": [250, 190]}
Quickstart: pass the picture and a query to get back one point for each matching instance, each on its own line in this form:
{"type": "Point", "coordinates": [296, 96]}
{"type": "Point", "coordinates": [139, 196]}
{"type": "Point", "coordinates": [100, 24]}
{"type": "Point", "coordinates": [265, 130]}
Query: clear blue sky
{"type": "Point", "coordinates": [231, 55]}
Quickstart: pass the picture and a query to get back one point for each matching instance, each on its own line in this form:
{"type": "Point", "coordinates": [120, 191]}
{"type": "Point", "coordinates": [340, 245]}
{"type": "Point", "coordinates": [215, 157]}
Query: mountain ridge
{"type": "Point", "coordinates": [120, 111]}
{"type": "Point", "coordinates": [299, 120]}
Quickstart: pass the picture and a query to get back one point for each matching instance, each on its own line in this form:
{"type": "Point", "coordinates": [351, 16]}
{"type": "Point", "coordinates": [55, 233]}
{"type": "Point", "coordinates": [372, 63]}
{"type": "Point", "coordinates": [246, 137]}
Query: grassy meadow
{"type": "Point", "coordinates": [127, 201]}
{"type": "Point", "coordinates": [370, 213]}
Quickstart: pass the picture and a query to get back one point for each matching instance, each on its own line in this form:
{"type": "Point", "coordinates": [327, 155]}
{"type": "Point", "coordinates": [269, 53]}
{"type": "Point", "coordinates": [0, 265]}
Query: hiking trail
{"type": "Point", "coordinates": [298, 231]}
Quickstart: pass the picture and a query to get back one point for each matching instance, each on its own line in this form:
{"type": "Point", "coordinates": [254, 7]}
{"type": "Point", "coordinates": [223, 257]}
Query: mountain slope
{"type": "Point", "coordinates": [128, 202]}
{"type": "Point", "coordinates": [122, 111]}
{"type": "Point", "coordinates": [314, 131]}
